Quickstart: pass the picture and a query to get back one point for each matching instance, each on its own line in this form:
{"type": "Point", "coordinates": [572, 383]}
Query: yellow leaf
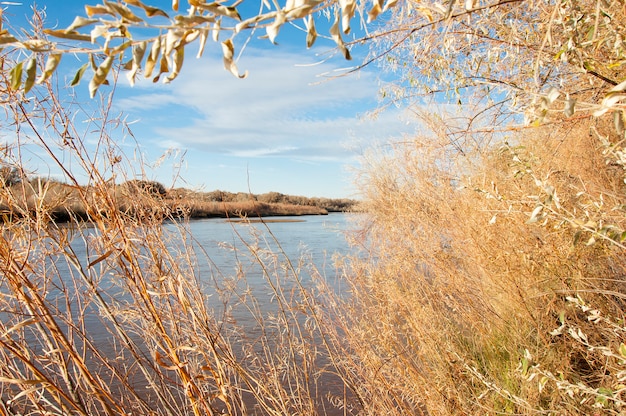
{"type": "Point", "coordinates": [390, 4]}
{"type": "Point", "coordinates": [216, 30]}
{"type": "Point", "coordinates": [377, 8]}
{"type": "Point", "coordinates": [336, 35]}
{"type": "Point", "coordinates": [220, 9]}
{"type": "Point", "coordinates": [152, 58]}
{"type": "Point", "coordinates": [311, 33]}
{"type": "Point", "coordinates": [93, 10]}
{"type": "Point", "coordinates": [16, 76]}
{"type": "Point", "coordinates": [347, 13]}
{"type": "Point", "coordinates": [51, 65]}
{"type": "Point", "coordinates": [228, 50]}
{"type": "Point", "coordinates": [63, 34]}
{"type": "Point", "coordinates": [204, 34]}
{"type": "Point", "coordinates": [31, 74]}
{"type": "Point", "coordinates": [150, 11]}
{"type": "Point", "coordinates": [179, 57]}
{"type": "Point", "coordinates": [163, 68]}
{"type": "Point", "coordinates": [272, 30]}
{"type": "Point", "coordinates": [120, 48]}
{"type": "Point", "coordinates": [98, 31]}
{"type": "Point", "coordinates": [296, 9]}
{"type": "Point", "coordinates": [80, 22]}
{"type": "Point", "coordinates": [100, 76]}
{"type": "Point", "coordinates": [195, 20]}
{"type": "Point", "coordinates": [139, 51]}
{"type": "Point", "coordinates": [6, 38]}
{"type": "Point", "coordinates": [123, 11]}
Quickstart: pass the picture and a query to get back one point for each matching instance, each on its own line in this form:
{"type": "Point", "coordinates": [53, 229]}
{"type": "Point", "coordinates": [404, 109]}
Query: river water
{"type": "Point", "coordinates": [318, 237]}
{"type": "Point", "coordinates": [303, 247]}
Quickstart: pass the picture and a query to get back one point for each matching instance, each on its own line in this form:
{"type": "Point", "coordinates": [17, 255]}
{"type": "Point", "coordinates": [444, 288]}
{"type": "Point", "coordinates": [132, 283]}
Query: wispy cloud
{"type": "Point", "coordinates": [284, 108]}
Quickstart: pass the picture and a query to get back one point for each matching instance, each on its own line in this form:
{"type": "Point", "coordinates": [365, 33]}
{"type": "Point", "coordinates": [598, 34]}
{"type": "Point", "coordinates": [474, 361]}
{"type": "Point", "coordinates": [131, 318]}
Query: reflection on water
{"type": "Point", "coordinates": [241, 265]}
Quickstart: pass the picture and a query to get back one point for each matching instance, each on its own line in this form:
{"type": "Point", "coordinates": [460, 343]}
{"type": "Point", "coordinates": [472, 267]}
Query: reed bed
{"type": "Point", "coordinates": [487, 281]}
{"type": "Point", "coordinates": [469, 298]}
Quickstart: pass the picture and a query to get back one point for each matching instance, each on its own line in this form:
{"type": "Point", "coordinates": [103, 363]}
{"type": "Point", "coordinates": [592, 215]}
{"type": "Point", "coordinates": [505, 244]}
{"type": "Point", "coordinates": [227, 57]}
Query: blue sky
{"type": "Point", "coordinates": [287, 127]}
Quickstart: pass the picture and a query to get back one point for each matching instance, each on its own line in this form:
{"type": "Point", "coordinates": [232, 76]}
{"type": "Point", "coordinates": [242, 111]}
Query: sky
{"type": "Point", "coordinates": [288, 127]}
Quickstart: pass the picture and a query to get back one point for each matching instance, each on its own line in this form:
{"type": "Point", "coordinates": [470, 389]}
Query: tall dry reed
{"type": "Point", "coordinates": [472, 300]}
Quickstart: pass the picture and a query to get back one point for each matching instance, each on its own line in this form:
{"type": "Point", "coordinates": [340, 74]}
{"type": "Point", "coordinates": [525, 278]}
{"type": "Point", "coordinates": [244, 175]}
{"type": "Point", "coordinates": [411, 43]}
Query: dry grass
{"type": "Point", "coordinates": [457, 305]}
{"type": "Point", "coordinates": [131, 325]}
{"type": "Point", "coordinates": [464, 306]}
{"type": "Point", "coordinates": [489, 283]}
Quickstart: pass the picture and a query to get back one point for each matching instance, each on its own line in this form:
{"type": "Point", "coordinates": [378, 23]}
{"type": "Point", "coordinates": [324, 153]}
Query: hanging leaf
{"type": "Point", "coordinates": [534, 216]}
{"type": "Point", "coordinates": [311, 33]}
{"type": "Point", "coordinates": [194, 20]}
{"type": "Point", "coordinates": [139, 50]}
{"type": "Point", "coordinates": [272, 30]}
{"type": "Point", "coordinates": [216, 30]}
{"type": "Point", "coordinates": [251, 22]}
{"type": "Point", "coordinates": [123, 11]}
{"type": "Point", "coordinates": [175, 5]}
{"type": "Point", "coordinates": [79, 75]}
{"type": "Point", "coordinates": [336, 35]}
{"type": "Point", "coordinates": [100, 9]}
{"type": "Point", "coordinates": [377, 9]}
{"type": "Point", "coordinates": [100, 30]}
{"type": "Point", "coordinates": [92, 61]}
{"type": "Point", "coordinates": [172, 40]}
{"type": "Point", "coordinates": [152, 58]}
{"type": "Point", "coordinates": [204, 34]}
{"type": "Point", "coordinates": [51, 65]}
{"type": "Point", "coordinates": [62, 34]}
{"type": "Point", "coordinates": [190, 36]}
{"type": "Point", "coordinates": [120, 48]}
{"type": "Point", "coordinates": [179, 57]}
{"type": "Point", "coordinates": [622, 350]}
{"type": "Point", "coordinates": [38, 45]}
{"type": "Point", "coordinates": [553, 94]}
{"type": "Point", "coordinates": [609, 102]}
{"type": "Point", "coordinates": [100, 76]}
{"type": "Point", "coordinates": [228, 50]}
{"type": "Point", "coordinates": [614, 95]}
{"type": "Point", "coordinates": [347, 13]}
{"type": "Point", "coordinates": [80, 22]}
{"type": "Point", "coordinates": [16, 76]}
{"type": "Point", "coordinates": [220, 9]}
{"type": "Point", "coordinates": [163, 68]}
{"type": "Point", "coordinates": [150, 11]}
{"type": "Point", "coordinates": [31, 74]}
{"type": "Point", "coordinates": [296, 9]}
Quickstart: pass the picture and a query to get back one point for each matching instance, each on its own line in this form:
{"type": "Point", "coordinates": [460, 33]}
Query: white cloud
{"type": "Point", "coordinates": [282, 109]}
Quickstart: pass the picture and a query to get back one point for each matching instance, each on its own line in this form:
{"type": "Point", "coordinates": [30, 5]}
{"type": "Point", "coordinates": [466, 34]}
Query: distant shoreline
{"type": "Point", "coordinates": [150, 200]}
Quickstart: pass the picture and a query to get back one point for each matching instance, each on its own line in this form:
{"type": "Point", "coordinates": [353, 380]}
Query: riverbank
{"type": "Point", "coordinates": [63, 202]}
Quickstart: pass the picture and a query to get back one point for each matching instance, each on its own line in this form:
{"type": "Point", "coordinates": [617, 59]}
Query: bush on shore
{"type": "Point", "coordinates": [493, 281]}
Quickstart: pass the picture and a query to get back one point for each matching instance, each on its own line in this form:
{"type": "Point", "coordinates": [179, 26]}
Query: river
{"type": "Point", "coordinates": [237, 263]}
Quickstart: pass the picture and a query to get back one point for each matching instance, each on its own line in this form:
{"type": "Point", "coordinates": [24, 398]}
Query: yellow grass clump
{"type": "Point", "coordinates": [471, 299]}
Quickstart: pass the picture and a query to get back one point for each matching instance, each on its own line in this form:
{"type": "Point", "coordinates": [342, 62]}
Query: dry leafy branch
{"type": "Point", "coordinates": [113, 33]}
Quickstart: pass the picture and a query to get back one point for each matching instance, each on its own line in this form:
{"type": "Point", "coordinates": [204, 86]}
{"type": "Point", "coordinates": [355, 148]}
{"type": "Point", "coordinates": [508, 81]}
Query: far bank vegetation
{"type": "Point", "coordinates": [62, 202]}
